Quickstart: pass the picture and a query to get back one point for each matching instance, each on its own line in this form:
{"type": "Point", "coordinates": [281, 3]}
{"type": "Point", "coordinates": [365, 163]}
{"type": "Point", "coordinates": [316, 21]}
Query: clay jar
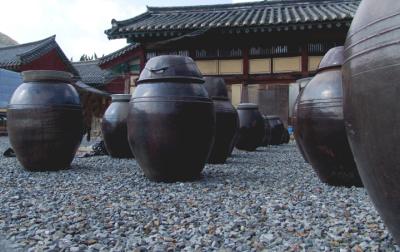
{"type": "Point", "coordinates": [285, 136]}
{"type": "Point", "coordinates": [226, 120]}
{"type": "Point", "coordinates": [371, 104]}
{"type": "Point", "coordinates": [45, 121]}
{"type": "Point", "coordinates": [251, 129]}
{"type": "Point", "coordinates": [320, 124]}
{"type": "Point", "coordinates": [171, 122]}
{"type": "Point", "coordinates": [114, 127]}
{"type": "Point", "coordinates": [267, 137]}
{"type": "Point", "coordinates": [275, 129]}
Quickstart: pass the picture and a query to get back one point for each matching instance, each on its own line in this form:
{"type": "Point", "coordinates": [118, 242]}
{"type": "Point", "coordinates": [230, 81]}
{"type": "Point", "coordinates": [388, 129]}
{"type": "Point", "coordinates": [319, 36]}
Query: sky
{"type": "Point", "coordinates": [78, 24]}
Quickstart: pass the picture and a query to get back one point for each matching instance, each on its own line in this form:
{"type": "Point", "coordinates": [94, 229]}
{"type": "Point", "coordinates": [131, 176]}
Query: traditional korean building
{"type": "Point", "coordinates": [44, 54]}
{"type": "Point", "coordinates": [260, 48]}
{"type": "Point", "coordinates": [125, 65]}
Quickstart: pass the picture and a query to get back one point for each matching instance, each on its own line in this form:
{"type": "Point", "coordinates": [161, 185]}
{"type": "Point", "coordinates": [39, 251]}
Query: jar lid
{"type": "Point", "coordinates": [247, 106]}
{"type": "Point", "coordinates": [216, 87]}
{"type": "Point", "coordinates": [272, 117]}
{"type": "Point", "coordinates": [121, 97]}
{"type": "Point", "coordinates": [333, 58]}
{"type": "Point", "coordinates": [46, 75]}
{"type": "Point", "coordinates": [171, 68]}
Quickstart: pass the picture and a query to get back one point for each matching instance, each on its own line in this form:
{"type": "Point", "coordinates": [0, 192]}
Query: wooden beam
{"type": "Point", "coordinates": [304, 60]}
{"type": "Point", "coordinates": [244, 95]}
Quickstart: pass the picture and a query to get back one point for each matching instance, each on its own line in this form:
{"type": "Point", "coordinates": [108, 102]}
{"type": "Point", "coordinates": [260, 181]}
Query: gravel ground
{"type": "Point", "coordinates": [269, 199]}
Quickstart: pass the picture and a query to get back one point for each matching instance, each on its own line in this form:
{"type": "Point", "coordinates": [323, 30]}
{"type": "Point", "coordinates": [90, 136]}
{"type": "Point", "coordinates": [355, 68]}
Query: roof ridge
{"type": "Point", "coordinates": [30, 43]}
{"type": "Point", "coordinates": [87, 62]}
{"type": "Point", "coordinates": [40, 44]}
{"type": "Point", "coordinates": [272, 3]}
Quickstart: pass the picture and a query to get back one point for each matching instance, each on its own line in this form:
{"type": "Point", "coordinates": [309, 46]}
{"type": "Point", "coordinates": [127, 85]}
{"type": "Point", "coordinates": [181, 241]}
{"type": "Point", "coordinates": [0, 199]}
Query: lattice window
{"type": "Point", "coordinates": [320, 48]}
{"type": "Point", "coordinates": [219, 53]}
{"type": "Point", "coordinates": [206, 53]}
{"type": "Point", "coordinates": [230, 52]}
{"type": "Point", "coordinates": [150, 55]}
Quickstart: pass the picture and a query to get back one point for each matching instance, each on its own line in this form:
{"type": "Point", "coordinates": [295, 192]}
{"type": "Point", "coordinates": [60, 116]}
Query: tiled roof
{"type": "Point", "coordinates": [92, 74]}
{"type": "Point", "coordinates": [257, 16]}
{"type": "Point", "coordinates": [84, 86]}
{"type": "Point", "coordinates": [117, 53]}
{"type": "Point", "coordinates": [12, 57]}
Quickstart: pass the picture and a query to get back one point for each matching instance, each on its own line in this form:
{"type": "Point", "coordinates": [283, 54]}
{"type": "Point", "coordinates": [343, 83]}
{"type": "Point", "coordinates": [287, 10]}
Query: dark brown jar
{"type": "Point", "coordinates": [114, 127]}
{"type": "Point", "coordinates": [251, 129]}
{"type": "Point", "coordinates": [320, 127]}
{"type": "Point", "coordinates": [274, 130]}
{"type": "Point", "coordinates": [267, 137]}
{"type": "Point", "coordinates": [371, 75]}
{"type": "Point", "coordinates": [285, 136]}
{"type": "Point", "coordinates": [45, 121]}
{"type": "Point", "coordinates": [171, 122]}
{"type": "Point", "coordinates": [226, 120]}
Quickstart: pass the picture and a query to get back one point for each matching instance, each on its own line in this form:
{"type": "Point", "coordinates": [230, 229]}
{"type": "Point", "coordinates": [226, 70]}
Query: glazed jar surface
{"type": "Point", "coordinates": [274, 130]}
{"type": "Point", "coordinates": [171, 121]}
{"type": "Point", "coordinates": [371, 75]}
{"type": "Point", "coordinates": [320, 124]}
{"type": "Point", "coordinates": [45, 121]}
{"type": "Point", "coordinates": [226, 120]}
{"type": "Point", "coordinates": [294, 123]}
{"type": "Point", "coordinates": [114, 127]}
{"type": "Point", "coordinates": [251, 129]}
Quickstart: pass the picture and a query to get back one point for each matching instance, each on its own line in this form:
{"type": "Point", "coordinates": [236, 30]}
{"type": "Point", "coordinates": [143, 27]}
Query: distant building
{"type": "Point", "coordinates": [125, 64]}
{"type": "Point", "coordinates": [44, 54]}
{"type": "Point", "coordinates": [102, 79]}
{"type": "Point", "coordinates": [260, 48]}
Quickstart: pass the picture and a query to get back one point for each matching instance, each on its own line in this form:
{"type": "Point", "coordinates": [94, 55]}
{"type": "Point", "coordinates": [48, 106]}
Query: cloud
{"type": "Point", "coordinates": [79, 25]}
{"type": "Point", "coordinates": [244, 1]}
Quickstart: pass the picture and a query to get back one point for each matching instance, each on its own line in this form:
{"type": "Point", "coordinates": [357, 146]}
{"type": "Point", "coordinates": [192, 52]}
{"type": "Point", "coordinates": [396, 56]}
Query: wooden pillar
{"type": "Point", "coordinates": [244, 94]}
{"type": "Point", "coordinates": [304, 60]}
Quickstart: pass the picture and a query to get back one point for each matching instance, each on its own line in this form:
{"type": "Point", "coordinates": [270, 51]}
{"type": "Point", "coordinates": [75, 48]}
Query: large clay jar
{"type": "Point", "coordinates": [114, 127]}
{"type": "Point", "coordinates": [171, 122]}
{"type": "Point", "coordinates": [45, 121]}
{"type": "Point", "coordinates": [251, 129]}
{"type": "Point", "coordinates": [226, 120]}
{"type": "Point", "coordinates": [320, 127]}
{"type": "Point", "coordinates": [275, 129]}
{"type": "Point", "coordinates": [371, 103]}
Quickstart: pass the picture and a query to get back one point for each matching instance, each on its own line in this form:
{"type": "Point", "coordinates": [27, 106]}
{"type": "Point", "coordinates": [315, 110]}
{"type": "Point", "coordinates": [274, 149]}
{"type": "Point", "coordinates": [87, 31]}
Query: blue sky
{"type": "Point", "coordinates": [78, 24]}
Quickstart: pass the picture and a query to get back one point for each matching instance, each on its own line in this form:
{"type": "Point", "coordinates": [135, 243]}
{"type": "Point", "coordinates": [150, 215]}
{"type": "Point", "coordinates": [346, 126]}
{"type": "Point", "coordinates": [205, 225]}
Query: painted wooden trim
{"type": "Point", "coordinates": [231, 66]}
{"type": "Point", "coordinates": [287, 64]}
{"type": "Point", "coordinates": [256, 66]}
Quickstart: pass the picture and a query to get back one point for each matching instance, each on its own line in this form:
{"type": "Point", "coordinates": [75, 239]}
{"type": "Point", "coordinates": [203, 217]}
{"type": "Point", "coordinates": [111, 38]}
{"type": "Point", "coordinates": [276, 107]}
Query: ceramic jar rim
{"type": "Point", "coordinates": [121, 97]}
{"type": "Point", "coordinates": [247, 106]}
{"type": "Point", "coordinates": [47, 75]}
{"type": "Point", "coordinates": [177, 78]}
